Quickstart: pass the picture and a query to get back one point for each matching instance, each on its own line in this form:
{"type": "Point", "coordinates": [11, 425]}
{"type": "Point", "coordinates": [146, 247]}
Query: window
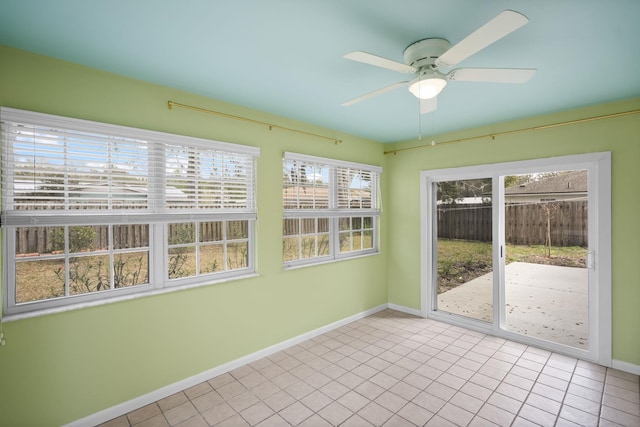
{"type": "Point", "coordinates": [91, 211]}
{"type": "Point", "coordinates": [330, 209]}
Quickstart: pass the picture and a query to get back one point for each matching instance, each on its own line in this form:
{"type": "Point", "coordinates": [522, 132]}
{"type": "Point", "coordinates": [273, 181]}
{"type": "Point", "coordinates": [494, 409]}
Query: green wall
{"type": "Point", "coordinates": [620, 136]}
{"type": "Point", "coordinates": [62, 367]}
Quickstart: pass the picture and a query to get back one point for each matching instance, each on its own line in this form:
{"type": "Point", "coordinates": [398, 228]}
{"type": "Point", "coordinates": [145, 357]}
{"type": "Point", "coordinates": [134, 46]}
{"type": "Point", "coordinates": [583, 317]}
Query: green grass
{"type": "Point", "coordinates": [570, 256]}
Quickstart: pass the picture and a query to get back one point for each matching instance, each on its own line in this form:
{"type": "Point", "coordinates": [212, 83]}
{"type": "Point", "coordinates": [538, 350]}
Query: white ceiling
{"type": "Point", "coordinates": [285, 56]}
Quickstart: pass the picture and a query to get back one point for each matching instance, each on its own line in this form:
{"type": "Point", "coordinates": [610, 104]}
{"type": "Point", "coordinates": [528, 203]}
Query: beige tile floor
{"type": "Point", "coordinates": [393, 369]}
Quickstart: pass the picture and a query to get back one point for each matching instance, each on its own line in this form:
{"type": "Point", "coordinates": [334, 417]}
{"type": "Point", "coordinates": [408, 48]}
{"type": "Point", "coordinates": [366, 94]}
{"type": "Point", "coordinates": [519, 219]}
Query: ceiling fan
{"type": "Point", "coordinates": [425, 59]}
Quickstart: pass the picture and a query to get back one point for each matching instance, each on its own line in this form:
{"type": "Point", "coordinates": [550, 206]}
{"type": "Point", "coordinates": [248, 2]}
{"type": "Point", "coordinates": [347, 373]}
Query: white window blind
{"type": "Point", "coordinates": [208, 179]}
{"type": "Point", "coordinates": [56, 166]}
{"type": "Point", "coordinates": [356, 188]}
{"type": "Point", "coordinates": [306, 185]}
{"type": "Point", "coordinates": [315, 186]}
{"type": "Point", "coordinates": [52, 169]}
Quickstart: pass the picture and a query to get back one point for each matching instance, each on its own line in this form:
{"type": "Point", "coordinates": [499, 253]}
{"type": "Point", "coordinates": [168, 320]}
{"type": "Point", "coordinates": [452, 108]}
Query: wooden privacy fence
{"type": "Point", "coordinates": [525, 224]}
{"type": "Point", "coordinates": [46, 240]}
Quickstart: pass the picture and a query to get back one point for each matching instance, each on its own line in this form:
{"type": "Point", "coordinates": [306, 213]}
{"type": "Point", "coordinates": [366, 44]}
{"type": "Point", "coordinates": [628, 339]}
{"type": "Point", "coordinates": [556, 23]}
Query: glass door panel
{"type": "Point", "coordinates": [545, 273]}
{"type": "Point", "coordinates": [464, 248]}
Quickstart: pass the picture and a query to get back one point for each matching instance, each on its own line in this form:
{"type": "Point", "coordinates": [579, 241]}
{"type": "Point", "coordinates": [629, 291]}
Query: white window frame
{"type": "Point", "coordinates": [157, 213]}
{"type": "Point", "coordinates": [334, 212]}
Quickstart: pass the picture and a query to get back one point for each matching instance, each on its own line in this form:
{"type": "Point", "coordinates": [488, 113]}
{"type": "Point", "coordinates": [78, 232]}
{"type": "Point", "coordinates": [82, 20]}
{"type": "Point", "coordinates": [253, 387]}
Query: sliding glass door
{"type": "Point", "coordinates": [510, 249]}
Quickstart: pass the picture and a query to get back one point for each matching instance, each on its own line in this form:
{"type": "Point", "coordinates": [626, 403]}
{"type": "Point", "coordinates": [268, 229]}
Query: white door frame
{"type": "Point", "coordinates": [598, 166]}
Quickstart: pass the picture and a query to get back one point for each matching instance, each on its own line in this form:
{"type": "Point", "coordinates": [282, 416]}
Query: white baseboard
{"type": "Point", "coordinates": [139, 402]}
{"type": "Point", "coordinates": [625, 366]}
{"type": "Point", "coordinates": [404, 309]}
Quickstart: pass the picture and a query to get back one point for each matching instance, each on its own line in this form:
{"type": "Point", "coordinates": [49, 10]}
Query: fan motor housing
{"type": "Point", "coordinates": [425, 52]}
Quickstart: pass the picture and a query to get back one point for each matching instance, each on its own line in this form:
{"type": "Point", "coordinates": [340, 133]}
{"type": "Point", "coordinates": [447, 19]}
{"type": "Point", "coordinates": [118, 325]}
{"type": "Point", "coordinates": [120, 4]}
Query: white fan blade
{"type": "Point", "coordinates": [428, 105]}
{"type": "Point", "coordinates": [374, 93]}
{"type": "Point", "coordinates": [495, 75]}
{"type": "Point", "coordinates": [503, 24]}
{"type": "Point", "coordinates": [379, 61]}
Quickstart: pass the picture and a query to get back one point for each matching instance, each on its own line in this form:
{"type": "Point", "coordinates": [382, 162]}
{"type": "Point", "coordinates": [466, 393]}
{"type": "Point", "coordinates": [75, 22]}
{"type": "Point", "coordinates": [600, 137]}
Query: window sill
{"type": "Point", "coordinates": [329, 261]}
{"type": "Point", "coordinates": [71, 307]}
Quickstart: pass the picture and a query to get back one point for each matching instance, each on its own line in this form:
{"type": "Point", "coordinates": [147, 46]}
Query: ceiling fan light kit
{"type": "Point", "coordinates": [425, 58]}
{"type": "Point", "coordinates": [422, 56]}
{"type": "Point", "coordinates": [427, 87]}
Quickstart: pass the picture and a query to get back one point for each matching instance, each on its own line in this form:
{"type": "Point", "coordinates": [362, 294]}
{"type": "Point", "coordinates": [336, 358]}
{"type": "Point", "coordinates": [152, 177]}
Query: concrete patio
{"type": "Point", "coordinates": [542, 301]}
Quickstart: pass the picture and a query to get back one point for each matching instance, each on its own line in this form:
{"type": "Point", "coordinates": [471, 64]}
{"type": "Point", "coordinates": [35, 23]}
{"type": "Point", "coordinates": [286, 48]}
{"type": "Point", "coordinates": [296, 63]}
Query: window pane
{"type": "Point", "coordinates": [367, 240]}
{"type": "Point", "coordinates": [290, 250]}
{"type": "Point", "coordinates": [181, 262]}
{"type": "Point", "coordinates": [88, 274]}
{"type": "Point", "coordinates": [323, 244]}
{"type": "Point", "coordinates": [321, 197]}
{"type": "Point", "coordinates": [305, 185]}
{"type": "Point", "coordinates": [35, 241]}
{"type": "Point", "coordinates": [208, 179]}
{"type": "Point", "coordinates": [130, 236]}
{"type": "Point", "coordinates": [305, 197]}
{"type": "Point", "coordinates": [312, 240]}
{"type": "Point", "coordinates": [354, 188]}
{"type": "Point", "coordinates": [356, 233]}
{"type": "Point", "coordinates": [289, 196]}
{"type": "Point", "coordinates": [42, 280]}
{"type": "Point", "coordinates": [237, 230]}
{"type": "Point", "coordinates": [88, 238]}
{"type": "Point", "coordinates": [356, 241]}
{"type": "Point", "coordinates": [290, 227]}
{"type": "Point", "coordinates": [55, 167]}
{"type": "Point", "coordinates": [237, 255]}
{"type": "Point", "coordinates": [130, 269]}
{"type": "Point", "coordinates": [345, 242]}
{"type": "Point", "coordinates": [211, 258]}
{"type": "Point", "coordinates": [182, 233]}
{"type": "Point", "coordinates": [39, 280]}
{"type": "Point", "coordinates": [367, 222]}
{"type": "Point", "coordinates": [308, 246]}
{"type": "Point", "coordinates": [308, 225]}
{"type": "Point", "coordinates": [211, 231]}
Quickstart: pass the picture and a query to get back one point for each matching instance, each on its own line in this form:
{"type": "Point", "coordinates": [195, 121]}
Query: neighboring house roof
{"type": "Point", "coordinates": [564, 183]}
{"type": "Point", "coordinates": [31, 188]}
{"type": "Point", "coordinates": [485, 198]}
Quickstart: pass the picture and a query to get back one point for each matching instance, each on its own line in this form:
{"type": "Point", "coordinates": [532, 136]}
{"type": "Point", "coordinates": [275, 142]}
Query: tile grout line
{"type": "Point", "coordinates": [387, 337]}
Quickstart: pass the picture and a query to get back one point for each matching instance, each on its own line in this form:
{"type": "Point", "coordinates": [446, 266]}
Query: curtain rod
{"type": "Point", "coordinates": [172, 104]}
{"type": "Point", "coordinates": [493, 135]}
